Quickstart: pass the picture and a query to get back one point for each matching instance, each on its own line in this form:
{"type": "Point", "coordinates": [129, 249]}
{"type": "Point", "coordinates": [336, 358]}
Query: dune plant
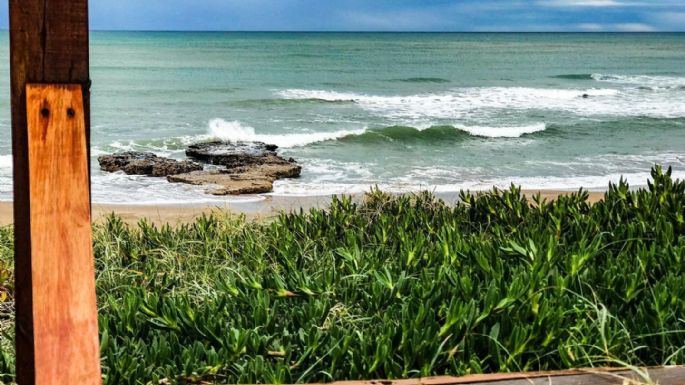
{"type": "Point", "coordinates": [395, 286]}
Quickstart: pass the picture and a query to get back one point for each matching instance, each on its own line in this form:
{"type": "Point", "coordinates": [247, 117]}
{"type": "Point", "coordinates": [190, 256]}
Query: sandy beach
{"type": "Point", "coordinates": [268, 207]}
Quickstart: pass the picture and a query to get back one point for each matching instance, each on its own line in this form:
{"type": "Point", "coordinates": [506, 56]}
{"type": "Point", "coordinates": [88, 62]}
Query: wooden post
{"type": "Point", "coordinates": [56, 317]}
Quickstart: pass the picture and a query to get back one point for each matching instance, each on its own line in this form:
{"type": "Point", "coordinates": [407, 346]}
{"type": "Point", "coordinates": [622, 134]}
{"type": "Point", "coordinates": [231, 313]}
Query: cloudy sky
{"type": "Point", "coordinates": [386, 15]}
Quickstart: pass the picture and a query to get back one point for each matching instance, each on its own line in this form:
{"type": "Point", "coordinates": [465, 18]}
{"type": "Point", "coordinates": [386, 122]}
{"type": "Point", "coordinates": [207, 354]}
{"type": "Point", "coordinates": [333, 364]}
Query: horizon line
{"type": "Point", "coordinates": [371, 31]}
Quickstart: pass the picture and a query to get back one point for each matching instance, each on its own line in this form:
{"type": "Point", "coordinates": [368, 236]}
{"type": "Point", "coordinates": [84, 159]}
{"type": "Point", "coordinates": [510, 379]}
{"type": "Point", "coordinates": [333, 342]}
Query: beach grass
{"type": "Point", "coordinates": [397, 286]}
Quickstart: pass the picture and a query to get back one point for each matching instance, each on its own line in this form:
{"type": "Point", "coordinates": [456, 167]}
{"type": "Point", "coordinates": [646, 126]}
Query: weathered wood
{"type": "Point", "coordinates": [48, 44]}
{"type": "Point", "coordinates": [596, 376]}
{"type": "Point", "coordinates": [65, 325]}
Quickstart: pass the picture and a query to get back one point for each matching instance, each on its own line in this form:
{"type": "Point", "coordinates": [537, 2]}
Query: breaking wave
{"type": "Point", "coordinates": [650, 82]}
{"type": "Point", "coordinates": [441, 133]}
{"type": "Point", "coordinates": [236, 131]}
{"type": "Point", "coordinates": [645, 81]}
{"type": "Point", "coordinates": [260, 103]}
{"type": "Point", "coordinates": [466, 103]}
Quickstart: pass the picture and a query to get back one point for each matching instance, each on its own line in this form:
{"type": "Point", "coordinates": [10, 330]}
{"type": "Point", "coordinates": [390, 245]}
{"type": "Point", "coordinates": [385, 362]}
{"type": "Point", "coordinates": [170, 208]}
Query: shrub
{"type": "Point", "coordinates": [395, 287]}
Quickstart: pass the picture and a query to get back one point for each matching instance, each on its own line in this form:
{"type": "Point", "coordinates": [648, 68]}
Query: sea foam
{"type": "Point", "coordinates": [646, 81]}
{"type": "Point", "coordinates": [5, 161]}
{"type": "Point", "coordinates": [237, 131]}
{"type": "Point", "coordinates": [503, 132]}
{"type": "Point", "coordinates": [481, 102]}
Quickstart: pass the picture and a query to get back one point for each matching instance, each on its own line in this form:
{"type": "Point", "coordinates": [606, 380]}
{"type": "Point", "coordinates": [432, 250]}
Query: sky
{"type": "Point", "coordinates": [385, 15]}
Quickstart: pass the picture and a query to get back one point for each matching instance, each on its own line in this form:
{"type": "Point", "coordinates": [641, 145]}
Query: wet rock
{"type": "Point", "coordinates": [244, 167]}
{"type": "Point", "coordinates": [250, 167]}
{"type": "Point", "coordinates": [252, 179]}
{"type": "Point", "coordinates": [220, 182]}
{"type": "Point", "coordinates": [146, 163]}
{"type": "Point", "coordinates": [235, 154]}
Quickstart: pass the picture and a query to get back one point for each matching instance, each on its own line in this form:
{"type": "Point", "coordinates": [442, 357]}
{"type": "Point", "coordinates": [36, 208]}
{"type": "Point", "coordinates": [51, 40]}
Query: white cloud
{"type": "Point", "coordinates": [669, 21]}
{"type": "Point", "coordinates": [580, 3]}
{"type": "Point", "coordinates": [394, 20]}
{"type": "Point", "coordinates": [591, 27]}
{"type": "Point", "coordinates": [634, 27]}
{"type": "Point", "coordinates": [611, 3]}
{"type": "Point", "coordinates": [620, 27]}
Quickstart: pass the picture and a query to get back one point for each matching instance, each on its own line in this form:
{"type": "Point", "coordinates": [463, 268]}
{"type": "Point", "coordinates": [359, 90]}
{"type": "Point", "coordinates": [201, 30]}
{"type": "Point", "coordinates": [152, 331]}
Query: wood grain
{"type": "Point", "coordinates": [48, 44]}
{"type": "Point", "coordinates": [64, 306]}
{"type": "Point", "coordinates": [674, 375]}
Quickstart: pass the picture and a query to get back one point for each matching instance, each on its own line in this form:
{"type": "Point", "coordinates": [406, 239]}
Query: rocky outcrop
{"type": "Point", "coordinates": [221, 182]}
{"type": "Point", "coordinates": [235, 154]}
{"type": "Point", "coordinates": [244, 167]}
{"type": "Point", "coordinates": [251, 168]}
{"type": "Point", "coordinates": [146, 163]}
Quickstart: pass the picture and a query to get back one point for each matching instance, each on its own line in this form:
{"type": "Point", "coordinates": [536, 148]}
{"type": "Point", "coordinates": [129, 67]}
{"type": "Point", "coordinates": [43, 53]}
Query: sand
{"type": "Point", "coordinates": [268, 207]}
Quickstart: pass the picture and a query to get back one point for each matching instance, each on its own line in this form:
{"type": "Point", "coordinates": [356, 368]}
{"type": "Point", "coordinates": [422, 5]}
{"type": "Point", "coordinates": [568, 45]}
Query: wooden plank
{"type": "Point", "coordinates": [48, 44]}
{"type": "Point", "coordinates": [64, 307]}
{"type": "Point", "coordinates": [674, 375]}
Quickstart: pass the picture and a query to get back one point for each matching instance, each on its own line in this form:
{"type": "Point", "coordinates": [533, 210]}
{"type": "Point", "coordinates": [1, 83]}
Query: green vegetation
{"type": "Point", "coordinates": [398, 286]}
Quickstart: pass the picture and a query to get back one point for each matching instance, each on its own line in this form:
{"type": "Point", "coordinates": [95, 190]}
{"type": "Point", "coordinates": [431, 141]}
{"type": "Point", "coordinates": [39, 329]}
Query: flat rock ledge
{"type": "Point", "coordinates": [245, 167]}
{"type": "Point", "coordinates": [223, 183]}
{"type": "Point", "coordinates": [146, 163]}
{"type": "Point", "coordinates": [251, 167]}
{"type": "Point", "coordinates": [235, 154]}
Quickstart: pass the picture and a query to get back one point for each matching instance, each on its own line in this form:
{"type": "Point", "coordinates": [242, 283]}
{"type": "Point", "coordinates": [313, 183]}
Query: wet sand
{"type": "Point", "coordinates": [268, 207]}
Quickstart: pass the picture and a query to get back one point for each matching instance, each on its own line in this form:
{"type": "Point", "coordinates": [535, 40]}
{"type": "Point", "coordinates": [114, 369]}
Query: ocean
{"type": "Point", "coordinates": [405, 112]}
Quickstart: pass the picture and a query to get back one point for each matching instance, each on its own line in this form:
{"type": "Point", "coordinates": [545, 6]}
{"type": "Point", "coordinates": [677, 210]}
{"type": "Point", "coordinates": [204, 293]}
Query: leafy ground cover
{"type": "Point", "coordinates": [397, 286]}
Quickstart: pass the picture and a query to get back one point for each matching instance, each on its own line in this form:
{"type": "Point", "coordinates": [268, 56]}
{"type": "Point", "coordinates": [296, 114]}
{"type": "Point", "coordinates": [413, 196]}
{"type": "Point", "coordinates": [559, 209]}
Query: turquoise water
{"type": "Point", "coordinates": [402, 111]}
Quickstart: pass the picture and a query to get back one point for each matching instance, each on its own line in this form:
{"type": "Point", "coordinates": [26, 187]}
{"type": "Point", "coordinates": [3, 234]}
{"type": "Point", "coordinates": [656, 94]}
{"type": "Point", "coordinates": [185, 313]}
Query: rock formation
{"type": "Point", "coordinates": [242, 167]}
{"type": "Point", "coordinates": [146, 163]}
{"type": "Point", "coordinates": [250, 167]}
{"type": "Point", "coordinates": [234, 154]}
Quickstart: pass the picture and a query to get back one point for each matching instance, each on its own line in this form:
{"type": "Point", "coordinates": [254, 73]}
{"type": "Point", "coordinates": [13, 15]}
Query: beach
{"type": "Point", "coordinates": [262, 209]}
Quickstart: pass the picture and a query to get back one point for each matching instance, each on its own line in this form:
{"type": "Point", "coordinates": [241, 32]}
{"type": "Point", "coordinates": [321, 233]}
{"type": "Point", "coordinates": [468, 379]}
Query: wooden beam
{"type": "Point", "coordinates": [48, 44]}
{"type": "Point", "coordinates": [65, 324]}
{"type": "Point", "coordinates": [673, 375]}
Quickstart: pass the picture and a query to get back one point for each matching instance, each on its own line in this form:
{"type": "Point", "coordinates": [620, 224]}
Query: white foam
{"type": "Point", "coordinates": [6, 162]}
{"type": "Point", "coordinates": [588, 182]}
{"type": "Point", "coordinates": [5, 177]}
{"type": "Point", "coordinates": [236, 131]}
{"type": "Point", "coordinates": [650, 81]}
{"type": "Point", "coordinates": [595, 172]}
{"type": "Point", "coordinates": [503, 132]}
{"type": "Point", "coordinates": [118, 188]}
{"type": "Point", "coordinates": [483, 102]}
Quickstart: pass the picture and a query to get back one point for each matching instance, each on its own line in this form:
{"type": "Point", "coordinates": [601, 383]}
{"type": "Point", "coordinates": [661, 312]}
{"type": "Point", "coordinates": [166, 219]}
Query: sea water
{"type": "Point", "coordinates": [404, 112]}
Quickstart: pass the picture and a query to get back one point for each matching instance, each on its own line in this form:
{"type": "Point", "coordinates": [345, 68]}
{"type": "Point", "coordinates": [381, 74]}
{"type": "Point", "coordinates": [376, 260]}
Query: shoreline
{"type": "Point", "coordinates": [266, 207]}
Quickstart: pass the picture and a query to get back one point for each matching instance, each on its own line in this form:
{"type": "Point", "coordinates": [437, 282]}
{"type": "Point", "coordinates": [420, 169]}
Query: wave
{"type": "Point", "coordinates": [483, 102]}
{"type": "Point", "coordinates": [236, 131]}
{"type": "Point", "coordinates": [494, 95]}
{"type": "Point", "coordinates": [406, 133]}
{"type": "Point", "coordinates": [220, 129]}
{"type": "Point", "coordinates": [504, 132]}
{"type": "Point", "coordinates": [421, 80]}
{"type": "Point", "coordinates": [258, 103]}
{"type": "Point", "coordinates": [574, 76]}
{"type": "Point", "coordinates": [645, 81]}
{"type": "Point", "coordinates": [330, 96]}
{"type": "Point", "coordinates": [441, 133]}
